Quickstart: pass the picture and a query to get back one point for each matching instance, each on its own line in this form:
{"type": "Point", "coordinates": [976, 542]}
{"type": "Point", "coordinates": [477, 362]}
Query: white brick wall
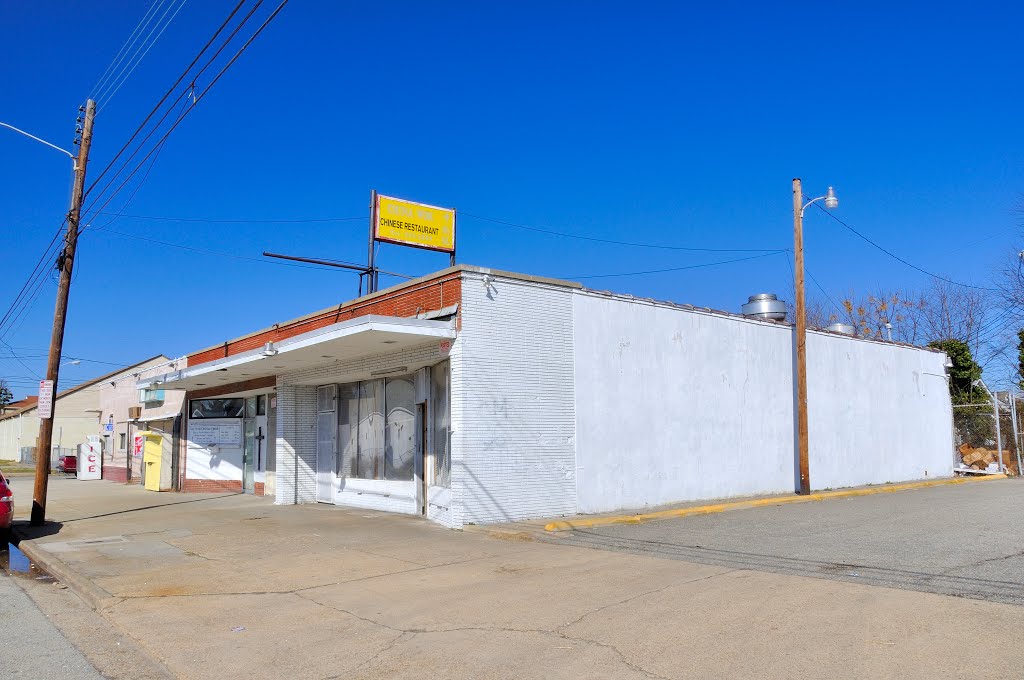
{"type": "Point", "coordinates": [513, 452]}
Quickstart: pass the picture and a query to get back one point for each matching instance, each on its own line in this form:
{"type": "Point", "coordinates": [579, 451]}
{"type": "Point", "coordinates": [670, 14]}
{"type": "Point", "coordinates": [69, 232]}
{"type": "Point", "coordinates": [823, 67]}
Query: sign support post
{"type": "Point", "coordinates": [371, 276]}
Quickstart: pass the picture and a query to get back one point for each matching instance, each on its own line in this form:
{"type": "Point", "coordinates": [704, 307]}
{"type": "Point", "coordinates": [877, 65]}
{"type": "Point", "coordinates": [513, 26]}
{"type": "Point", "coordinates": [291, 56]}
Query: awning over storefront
{"type": "Point", "coordinates": [360, 337]}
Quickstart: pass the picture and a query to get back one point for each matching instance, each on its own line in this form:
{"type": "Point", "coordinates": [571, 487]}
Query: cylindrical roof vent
{"type": "Point", "coordinates": [844, 328]}
{"type": "Point", "coordinates": [765, 306]}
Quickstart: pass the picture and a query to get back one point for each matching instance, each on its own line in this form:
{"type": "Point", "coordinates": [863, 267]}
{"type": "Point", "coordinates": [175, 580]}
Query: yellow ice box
{"type": "Point", "coordinates": [153, 461]}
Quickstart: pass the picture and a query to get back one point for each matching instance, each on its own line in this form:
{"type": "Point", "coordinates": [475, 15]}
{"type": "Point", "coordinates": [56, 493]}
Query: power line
{"type": "Point", "coordinates": [167, 94]}
{"type": "Point", "coordinates": [144, 21]}
{"type": "Point", "coordinates": [674, 269]}
{"type": "Point", "coordinates": [898, 258]}
{"type": "Point", "coordinates": [195, 101]}
{"type": "Point", "coordinates": [109, 95]}
{"type": "Point", "coordinates": [659, 246]}
{"type": "Point", "coordinates": [35, 279]}
{"type": "Point", "coordinates": [240, 221]}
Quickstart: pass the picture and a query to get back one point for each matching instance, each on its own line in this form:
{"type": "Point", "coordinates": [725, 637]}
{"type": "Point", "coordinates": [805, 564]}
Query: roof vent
{"type": "Point", "coordinates": [843, 328]}
{"type": "Point", "coordinates": [765, 306]}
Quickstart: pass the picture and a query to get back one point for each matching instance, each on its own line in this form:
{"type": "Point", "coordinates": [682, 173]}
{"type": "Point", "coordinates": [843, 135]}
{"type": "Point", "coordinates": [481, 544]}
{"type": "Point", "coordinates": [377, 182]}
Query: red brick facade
{"type": "Point", "coordinates": [404, 302]}
{"type": "Point", "coordinates": [211, 485]}
{"type": "Point", "coordinates": [218, 486]}
{"type": "Point", "coordinates": [115, 474]}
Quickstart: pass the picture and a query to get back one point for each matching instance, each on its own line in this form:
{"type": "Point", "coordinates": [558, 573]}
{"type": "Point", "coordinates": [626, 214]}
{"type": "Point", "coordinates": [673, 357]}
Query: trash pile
{"type": "Point", "coordinates": [987, 460]}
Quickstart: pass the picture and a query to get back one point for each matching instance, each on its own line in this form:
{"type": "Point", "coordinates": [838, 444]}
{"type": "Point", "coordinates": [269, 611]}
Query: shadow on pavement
{"type": "Point", "coordinates": [22, 530]}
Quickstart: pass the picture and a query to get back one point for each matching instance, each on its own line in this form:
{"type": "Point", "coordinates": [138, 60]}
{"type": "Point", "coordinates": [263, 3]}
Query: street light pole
{"type": "Point", "coordinates": [801, 339]}
{"type": "Point", "coordinates": [803, 455]}
{"type": "Point", "coordinates": [65, 263]}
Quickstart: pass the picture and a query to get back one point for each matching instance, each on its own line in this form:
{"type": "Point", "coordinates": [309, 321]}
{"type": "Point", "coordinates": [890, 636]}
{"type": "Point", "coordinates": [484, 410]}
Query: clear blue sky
{"type": "Point", "coordinates": [672, 123]}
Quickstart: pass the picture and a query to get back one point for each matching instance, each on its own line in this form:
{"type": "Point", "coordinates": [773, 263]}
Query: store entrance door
{"type": "Point", "coordinates": [326, 442]}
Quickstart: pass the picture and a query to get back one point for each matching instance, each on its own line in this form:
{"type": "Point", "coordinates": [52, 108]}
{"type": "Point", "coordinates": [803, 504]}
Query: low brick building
{"type": "Point", "coordinates": [475, 396]}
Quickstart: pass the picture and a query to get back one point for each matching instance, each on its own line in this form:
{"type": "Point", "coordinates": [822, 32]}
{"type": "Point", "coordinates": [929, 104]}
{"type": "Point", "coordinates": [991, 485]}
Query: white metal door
{"type": "Point", "coordinates": [326, 443]}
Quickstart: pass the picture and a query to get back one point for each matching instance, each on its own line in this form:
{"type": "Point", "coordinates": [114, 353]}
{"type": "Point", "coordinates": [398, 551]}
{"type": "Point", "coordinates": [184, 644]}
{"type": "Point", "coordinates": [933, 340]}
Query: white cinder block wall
{"type": "Point", "coordinates": [877, 413]}
{"type": "Point", "coordinates": [513, 402]}
{"type": "Point", "coordinates": [677, 405]}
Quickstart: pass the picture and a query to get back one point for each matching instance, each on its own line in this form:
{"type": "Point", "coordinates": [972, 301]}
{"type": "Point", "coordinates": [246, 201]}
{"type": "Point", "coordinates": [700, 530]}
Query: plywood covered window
{"type": "Point", "coordinates": [440, 423]}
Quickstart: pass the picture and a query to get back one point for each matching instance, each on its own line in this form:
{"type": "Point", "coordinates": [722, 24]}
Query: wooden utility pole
{"type": "Point", "coordinates": [801, 338]}
{"type": "Point", "coordinates": [65, 263]}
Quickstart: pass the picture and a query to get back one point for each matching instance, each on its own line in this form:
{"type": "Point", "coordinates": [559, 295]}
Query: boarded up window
{"type": "Point", "coordinates": [400, 428]}
{"type": "Point", "coordinates": [440, 417]}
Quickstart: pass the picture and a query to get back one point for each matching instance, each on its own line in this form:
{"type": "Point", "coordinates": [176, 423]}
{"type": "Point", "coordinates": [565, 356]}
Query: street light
{"type": "Point", "coordinates": [65, 264]}
{"type": "Point", "coordinates": [831, 202]}
{"type": "Point", "coordinates": [42, 141]}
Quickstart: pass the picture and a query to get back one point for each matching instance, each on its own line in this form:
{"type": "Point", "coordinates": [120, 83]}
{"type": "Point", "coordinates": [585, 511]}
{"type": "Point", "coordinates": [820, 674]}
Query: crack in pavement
{"type": "Point", "coordinates": [559, 631]}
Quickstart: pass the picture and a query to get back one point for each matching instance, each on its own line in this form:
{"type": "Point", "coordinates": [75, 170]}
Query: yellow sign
{"type": "Point", "coordinates": [414, 224]}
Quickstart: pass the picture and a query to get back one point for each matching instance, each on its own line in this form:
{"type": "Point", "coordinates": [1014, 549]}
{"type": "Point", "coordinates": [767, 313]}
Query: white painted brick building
{"type": "Point", "coordinates": [477, 396]}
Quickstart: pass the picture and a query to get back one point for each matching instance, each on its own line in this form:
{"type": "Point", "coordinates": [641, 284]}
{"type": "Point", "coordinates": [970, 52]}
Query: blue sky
{"type": "Point", "coordinates": [671, 123]}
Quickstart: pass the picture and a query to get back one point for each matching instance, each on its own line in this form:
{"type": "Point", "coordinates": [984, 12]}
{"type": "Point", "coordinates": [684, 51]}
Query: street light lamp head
{"type": "Point", "coordinates": [831, 201]}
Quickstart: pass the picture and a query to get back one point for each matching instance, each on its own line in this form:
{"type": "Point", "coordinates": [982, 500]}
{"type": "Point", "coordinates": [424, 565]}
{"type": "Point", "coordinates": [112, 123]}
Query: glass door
{"type": "Point", "coordinates": [249, 448]}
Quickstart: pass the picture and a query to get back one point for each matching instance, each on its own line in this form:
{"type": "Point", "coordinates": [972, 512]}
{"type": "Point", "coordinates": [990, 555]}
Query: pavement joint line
{"type": "Point", "coordinates": [573, 524]}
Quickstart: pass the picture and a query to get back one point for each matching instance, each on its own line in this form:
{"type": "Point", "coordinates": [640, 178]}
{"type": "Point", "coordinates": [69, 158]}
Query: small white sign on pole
{"type": "Point", "coordinates": [45, 407]}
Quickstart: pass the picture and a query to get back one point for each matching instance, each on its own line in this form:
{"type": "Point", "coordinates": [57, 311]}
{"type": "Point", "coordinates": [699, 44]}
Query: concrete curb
{"type": "Point", "coordinates": [571, 524]}
{"type": "Point", "coordinates": [91, 594]}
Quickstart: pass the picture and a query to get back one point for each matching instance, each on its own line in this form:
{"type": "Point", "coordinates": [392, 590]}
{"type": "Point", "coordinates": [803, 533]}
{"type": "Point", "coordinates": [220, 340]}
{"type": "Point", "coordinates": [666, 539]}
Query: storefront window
{"type": "Point", "coordinates": [377, 427]}
{"type": "Point", "coordinates": [216, 408]}
{"type": "Point", "coordinates": [440, 423]}
{"type": "Point", "coordinates": [370, 452]}
{"type": "Point", "coordinates": [400, 428]}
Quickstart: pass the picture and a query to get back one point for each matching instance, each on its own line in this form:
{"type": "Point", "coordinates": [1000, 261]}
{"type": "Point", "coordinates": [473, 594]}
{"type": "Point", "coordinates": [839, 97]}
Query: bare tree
{"type": "Point", "coordinates": [943, 311]}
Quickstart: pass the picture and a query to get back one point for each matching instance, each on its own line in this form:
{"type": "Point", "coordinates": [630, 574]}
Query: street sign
{"type": "Point", "coordinates": [45, 399]}
{"type": "Point", "coordinates": [108, 427]}
{"type": "Point", "coordinates": [137, 444]}
{"type": "Point", "coordinates": [414, 224]}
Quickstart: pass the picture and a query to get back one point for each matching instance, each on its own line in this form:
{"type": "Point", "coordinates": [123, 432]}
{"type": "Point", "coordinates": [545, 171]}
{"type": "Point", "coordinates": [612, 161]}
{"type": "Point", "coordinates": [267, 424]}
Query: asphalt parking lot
{"type": "Point", "coordinates": [964, 540]}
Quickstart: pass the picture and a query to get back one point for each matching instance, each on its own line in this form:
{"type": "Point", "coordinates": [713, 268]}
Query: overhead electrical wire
{"type": "Point", "coordinates": [195, 101]}
{"type": "Point", "coordinates": [311, 220]}
{"type": "Point", "coordinates": [168, 93]}
{"type": "Point", "coordinates": [117, 82]}
{"type": "Point", "coordinates": [36, 278]}
{"type": "Point", "coordinates": [33, 282]}
{"type": "Point", "coordinates": [130, 40]}
{"type": "Point", "coordinates": [633, 244]}
{"type": "Point", "coordinates": [674, 269]}
{"type": "Point", "coordinates": [897, 257]}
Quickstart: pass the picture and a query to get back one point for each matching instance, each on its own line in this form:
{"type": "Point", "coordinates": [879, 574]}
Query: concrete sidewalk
{"type": "Point", "coordinates": [235, 587]}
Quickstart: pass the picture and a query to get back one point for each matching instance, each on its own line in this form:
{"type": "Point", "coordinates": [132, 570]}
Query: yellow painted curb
{"type": "Point", "coordinates": [570, 524]}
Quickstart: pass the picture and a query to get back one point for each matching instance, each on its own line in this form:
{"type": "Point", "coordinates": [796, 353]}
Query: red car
{"type": "Point", "coordinates": [68, 465]}
{"type": "Point", "coordinates": [6, 510]}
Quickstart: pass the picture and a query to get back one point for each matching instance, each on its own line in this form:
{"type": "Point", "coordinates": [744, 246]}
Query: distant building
{"type": "Point", "coordinates": [476, 396]}
{"type": "Point", "coordinates": [18, 405]}
{"type": "Point", "coordinates": [96, 408]}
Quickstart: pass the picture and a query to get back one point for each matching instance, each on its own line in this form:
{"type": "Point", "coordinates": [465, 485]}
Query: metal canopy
{"type": "Point", "coordinates": [362, 337]}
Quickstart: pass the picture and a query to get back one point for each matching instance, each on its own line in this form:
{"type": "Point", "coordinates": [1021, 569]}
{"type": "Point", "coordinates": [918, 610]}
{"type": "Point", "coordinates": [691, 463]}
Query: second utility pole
{"type": "Point", "coordinates": [65, 263]}
{"type": "Point", "coordinates": [801, 338]}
